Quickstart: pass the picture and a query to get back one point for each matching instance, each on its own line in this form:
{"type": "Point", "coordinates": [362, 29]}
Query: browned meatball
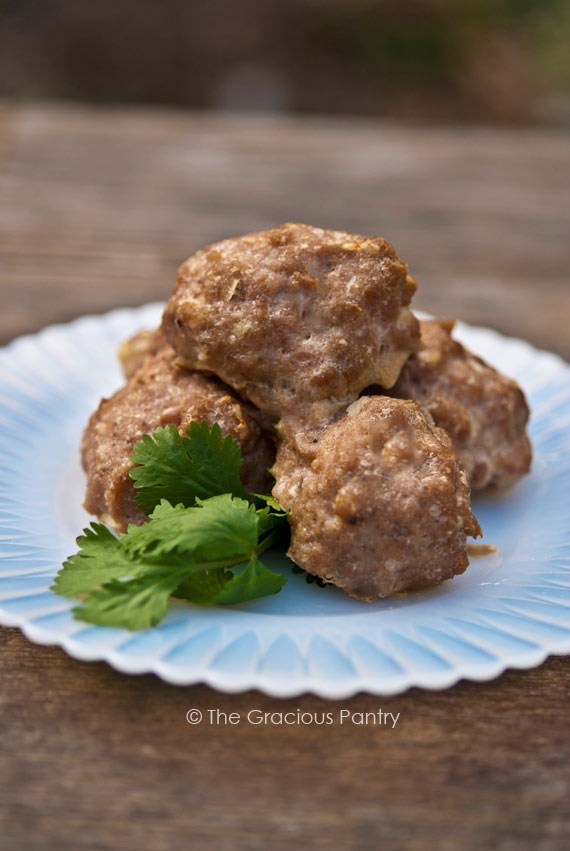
{"type": "Point", "coordinates": [134, 351]}
{"type": "Point", "coordinates": [297, 319]}
{"type": "Point", "coordinates": [484, 413]}
{"type": "Point", "coordinates": [160, 393]}
{"type": "Point", "coordinates": [378, 503]}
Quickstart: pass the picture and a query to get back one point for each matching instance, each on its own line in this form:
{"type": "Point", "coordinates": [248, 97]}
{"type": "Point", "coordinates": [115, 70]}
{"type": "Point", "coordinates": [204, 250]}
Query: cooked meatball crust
{"type": "Point", "coordinates": [296, 319]}
{"type": "Point", "coordinates": [134, 351]}
{"type": "Point", "coordinates": [484, 413]}
{"type": "Point", "coordinates": [157, 394]}
{"type": "Point", "coordinates": [378, 504]}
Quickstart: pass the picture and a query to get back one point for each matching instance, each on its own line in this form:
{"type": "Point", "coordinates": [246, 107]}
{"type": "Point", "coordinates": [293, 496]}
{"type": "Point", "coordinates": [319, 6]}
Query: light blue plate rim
{"type": "Point", "coordinates": [510, 610]}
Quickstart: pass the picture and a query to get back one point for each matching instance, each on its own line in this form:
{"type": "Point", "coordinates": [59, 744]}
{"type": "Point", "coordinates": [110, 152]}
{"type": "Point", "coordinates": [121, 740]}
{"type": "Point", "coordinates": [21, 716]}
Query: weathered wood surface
{"type": "Point", "coordinates": [97, 209]}
{"type": "Point", "coordinates": [95, 759]}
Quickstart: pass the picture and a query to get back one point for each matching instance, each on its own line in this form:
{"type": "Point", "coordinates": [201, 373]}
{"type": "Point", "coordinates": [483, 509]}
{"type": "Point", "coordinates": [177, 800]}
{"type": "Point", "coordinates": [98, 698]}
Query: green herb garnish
{"type": "Point", "coordinates": [203, 525]}
{"type": "Point", "coordinates": [180, 469]}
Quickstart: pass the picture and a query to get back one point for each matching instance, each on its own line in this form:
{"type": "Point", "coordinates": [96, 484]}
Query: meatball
{"type": "Point", "coordinates": [378, 504]}
{"type": "Point", "coordinates": [297, 319]}
{"type": "Point", "coordinates": [134, 351]}
{"type": "Point", "coordinates": [484, 413]}
{"type": "Point", "coordinates": [157, 394]}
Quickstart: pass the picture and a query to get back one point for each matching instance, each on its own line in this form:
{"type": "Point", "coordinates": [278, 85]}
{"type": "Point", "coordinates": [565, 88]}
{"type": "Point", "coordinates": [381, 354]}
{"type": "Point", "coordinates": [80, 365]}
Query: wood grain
{"type": "Point", "coordinates": [97, 209]}
{"type": "Point", "coordinates": [95, 759]}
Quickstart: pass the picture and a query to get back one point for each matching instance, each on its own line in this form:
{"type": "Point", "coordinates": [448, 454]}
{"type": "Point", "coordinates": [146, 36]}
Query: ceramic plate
{"type": "Point", "coordinates": [511, 609]}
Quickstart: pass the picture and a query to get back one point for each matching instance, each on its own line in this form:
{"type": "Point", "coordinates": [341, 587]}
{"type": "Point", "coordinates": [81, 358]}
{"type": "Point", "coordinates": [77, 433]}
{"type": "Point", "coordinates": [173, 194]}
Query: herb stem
{"type": "Point", "coordinates": [233, 561]}
{"type": "Point", "coordinates": [268, 541]}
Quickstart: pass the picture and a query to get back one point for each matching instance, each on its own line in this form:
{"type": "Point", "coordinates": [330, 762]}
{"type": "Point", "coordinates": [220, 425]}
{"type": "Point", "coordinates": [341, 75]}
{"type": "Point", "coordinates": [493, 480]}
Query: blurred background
{"type": "Point", "coordinates": [461, 60]}
{"type": "Point", "coordinates": [133, 132]}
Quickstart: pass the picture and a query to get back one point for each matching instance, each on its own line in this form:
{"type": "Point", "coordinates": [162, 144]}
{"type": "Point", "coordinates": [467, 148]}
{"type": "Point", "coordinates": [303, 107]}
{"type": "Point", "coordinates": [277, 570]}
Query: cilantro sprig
{"type": "Point", "coordinates": [181, 469]}
{"type": "Point", "coordinates": [202, 543]}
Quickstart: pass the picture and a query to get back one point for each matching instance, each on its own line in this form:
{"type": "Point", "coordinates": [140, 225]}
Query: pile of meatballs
{"type": "Point", "coordinates": [370, 427]}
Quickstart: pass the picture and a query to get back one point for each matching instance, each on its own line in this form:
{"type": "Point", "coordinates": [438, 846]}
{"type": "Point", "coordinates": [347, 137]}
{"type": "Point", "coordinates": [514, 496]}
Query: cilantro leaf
{"type": "Point", "coordinates": [267, 500]}
{"type": "Point", "coordinates": [218, 528]}
{"type": "Point", "coordinates": [254, 581]}
{"type": "Point", "coordinates": [203, 586]}
{"type": "Point", "coordinates": [136, 603]}
{"type": "Point", "coordinates": [100, 557]}
{"type": "Point", "coordinates": [181, 469]}
{"type": "Point", "coordinates": [268, 519]}
{"type": "Point", "coordinates": [221, 587]}
{"type": "Point", "coordinates": [186, 552]}
{"type": "Point", "coordinates": [202, 524]}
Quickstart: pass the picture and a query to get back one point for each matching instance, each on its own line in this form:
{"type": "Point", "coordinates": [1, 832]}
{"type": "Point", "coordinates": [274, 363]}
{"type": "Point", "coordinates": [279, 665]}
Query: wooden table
{"type": "Point", "coordinates": [97, 209]}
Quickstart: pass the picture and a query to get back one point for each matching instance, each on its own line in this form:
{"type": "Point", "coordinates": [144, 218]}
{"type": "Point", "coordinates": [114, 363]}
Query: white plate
{"type": "Point", "coordinates": [512, 609]}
